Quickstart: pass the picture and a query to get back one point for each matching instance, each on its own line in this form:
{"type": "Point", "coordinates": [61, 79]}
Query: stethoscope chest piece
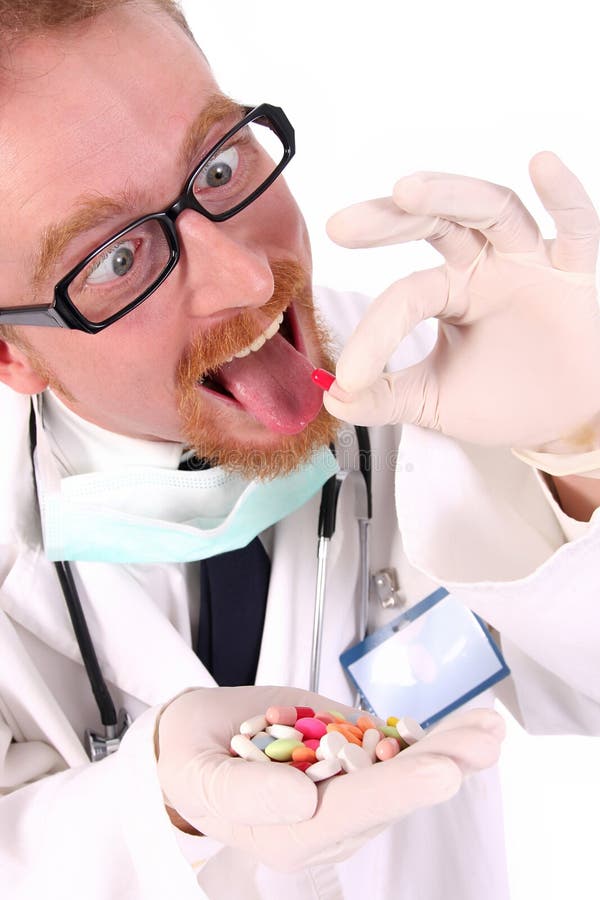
{"type": "Point", "coordinates": [99, 746]}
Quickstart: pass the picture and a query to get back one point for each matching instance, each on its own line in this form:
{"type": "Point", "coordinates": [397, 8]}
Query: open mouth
{"type": "Point", "coordinates": [286, 325]}
{"type": "Point", "coordinates": [270, 378]}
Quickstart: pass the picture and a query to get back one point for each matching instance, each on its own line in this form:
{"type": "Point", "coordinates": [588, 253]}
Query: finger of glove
{"type": "Point", "coordinates": [577, 225]}
{"type": "Point", "coordinates": [408, 396]}
{"type": "Point", "coordinates": [351, 807]}
{"type": "Point", "coordinates": [484, 718]}
{"type": "Point", "coordinates": [378, 223]}
{"type": "Point", "coordinates": [373, 406]}
{"type": "Point", "coordinates": [240, 791]}
{"type": "Point", "coordinates": [389, 318]}
{"type": "Point", "coordinates": [472, 748]}
{"type": "Point", "coordinates": [494, 210]}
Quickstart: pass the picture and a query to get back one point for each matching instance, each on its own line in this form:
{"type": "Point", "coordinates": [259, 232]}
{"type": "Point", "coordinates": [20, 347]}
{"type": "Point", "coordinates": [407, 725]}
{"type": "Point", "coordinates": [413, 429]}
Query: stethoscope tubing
{"type": "Point", "coordinates": [327, 522]}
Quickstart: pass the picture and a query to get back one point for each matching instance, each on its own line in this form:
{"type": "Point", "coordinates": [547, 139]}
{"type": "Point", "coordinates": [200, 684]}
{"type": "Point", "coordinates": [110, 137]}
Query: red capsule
{"type": "Point", "coordinates": [303, 766]}
{"type": "Point", "coordinates": [323, 378]}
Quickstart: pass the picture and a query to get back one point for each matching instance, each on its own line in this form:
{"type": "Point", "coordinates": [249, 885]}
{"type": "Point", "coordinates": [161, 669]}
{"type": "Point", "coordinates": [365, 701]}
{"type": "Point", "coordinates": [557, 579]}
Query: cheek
{"type": "Point", "coordinates": [102, 364]}
{"type": "Point", "coordinates": [284, 226]}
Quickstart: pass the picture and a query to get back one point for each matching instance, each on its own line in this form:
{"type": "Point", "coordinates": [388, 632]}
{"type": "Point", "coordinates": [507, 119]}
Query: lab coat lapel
{"type": "Point", "coordinates": [285, 655]}
{"type": "Point", "coordinates": [138, 649]}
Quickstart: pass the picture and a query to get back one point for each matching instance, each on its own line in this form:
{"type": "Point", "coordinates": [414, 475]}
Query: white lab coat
{"type": "Point", "coordinates": [69, 827]}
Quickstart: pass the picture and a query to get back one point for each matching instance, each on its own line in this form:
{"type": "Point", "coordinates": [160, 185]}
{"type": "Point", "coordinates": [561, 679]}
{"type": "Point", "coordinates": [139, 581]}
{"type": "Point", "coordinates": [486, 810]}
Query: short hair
{"type": "Point", "coordinates": [22, 18]}
{"type": "Point", "coordinates": [19, 18]}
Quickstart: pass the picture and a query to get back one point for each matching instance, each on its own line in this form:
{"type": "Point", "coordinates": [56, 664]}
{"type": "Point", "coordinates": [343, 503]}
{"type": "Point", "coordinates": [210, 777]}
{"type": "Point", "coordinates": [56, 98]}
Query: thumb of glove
{"type": "Point", "coordinates": [405, 396]}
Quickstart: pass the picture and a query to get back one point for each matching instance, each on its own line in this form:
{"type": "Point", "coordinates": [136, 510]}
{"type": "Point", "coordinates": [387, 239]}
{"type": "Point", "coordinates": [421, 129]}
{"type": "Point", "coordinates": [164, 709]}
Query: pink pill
{"type": "Point", "coordinates": [304, 712]}
{"type": "Point", "coordinates": [281, 715]}
{"type": "Point", "coordinates": [387, 748]}
{"type": "Point", "coordinates": [311, 728]}
{"type": "Point", "coordinates": [325, 717]}
{"type": "Point", "coordinates": [313, 743]}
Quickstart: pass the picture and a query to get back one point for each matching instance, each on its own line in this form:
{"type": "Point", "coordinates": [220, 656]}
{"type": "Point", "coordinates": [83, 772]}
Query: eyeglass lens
{"type": "Point", "coordinates": [116, 276]}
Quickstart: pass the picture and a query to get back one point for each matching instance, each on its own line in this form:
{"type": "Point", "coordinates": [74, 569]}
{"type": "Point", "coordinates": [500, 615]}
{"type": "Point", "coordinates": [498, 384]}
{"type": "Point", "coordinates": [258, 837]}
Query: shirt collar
{"type": "Point", "coordinates": [79, 446]}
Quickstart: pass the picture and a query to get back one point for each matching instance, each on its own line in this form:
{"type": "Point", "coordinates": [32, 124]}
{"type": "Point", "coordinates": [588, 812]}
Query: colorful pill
{"type": "Point", "coordinates": [371, 738]}
{"type": "Point", "coordinates": [385, 749]}
{"type": "Point", "coordinates": [390, 731]}
{"type": "Point", "coordinates": [331, 744]}
{"type": "Point", "coordinates": [304, 712]}
{"type": "Point", "coordinates": [262, 740]}
{"type": "Point", "coordinates": [338, 716]}
{"type": "Point", "coordinates": [252, 726]}
{"type": "Point", "coordinates": [244, 747]}
{"type": "Point", "coordinates": [353, 758]}
{"type": "Point", "coordinates": [344, 727]}
{"type": "Point", "coordinates": [391, 720]}
{"type": "Point", "coordinates": [323, 378]}
{"type": "Point", "coordinates": [313, 743]}
{"type": "Point", "coordinates": [282, 749]}
{"type": "Point", "coordinates": [365, 722]}
{"type": "Point", "coordinates": [311, 728]}
{"type": "Point", "coordinates": [325, 717]}
{"type": "Point", "coordinates": [350, 731]}
{"type": "Point", "coordinates": [302, 754]}
{"type": "Point", "coordinates": [284, 731]}
{"type": "Point", "coordinates": [281, 715]}
{"type": "Point", "coordinates": [409, 730]}
{"type": "Point", "coordinates": [323, 769]}
{"type": "Point", "coordinates": [303, 766]}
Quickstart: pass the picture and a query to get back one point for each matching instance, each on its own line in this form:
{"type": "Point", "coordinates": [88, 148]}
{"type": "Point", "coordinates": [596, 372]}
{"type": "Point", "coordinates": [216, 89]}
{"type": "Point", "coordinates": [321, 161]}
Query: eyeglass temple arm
{"type": "Point", "coordinates": [33, 315]}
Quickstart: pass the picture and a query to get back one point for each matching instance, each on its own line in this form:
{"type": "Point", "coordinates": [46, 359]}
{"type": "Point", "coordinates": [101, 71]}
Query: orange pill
{"type": "Point", "coordinates": [345, 728]}
{"type": "Point", "coordinates": [364, 723]}
{"type": "Point", "coordinates": [304, 754]}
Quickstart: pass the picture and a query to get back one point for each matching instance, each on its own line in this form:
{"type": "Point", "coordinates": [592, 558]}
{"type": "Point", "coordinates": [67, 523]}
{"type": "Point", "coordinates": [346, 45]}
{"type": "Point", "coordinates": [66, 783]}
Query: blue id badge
{"type": "Point", "coordinates": [426, 662]}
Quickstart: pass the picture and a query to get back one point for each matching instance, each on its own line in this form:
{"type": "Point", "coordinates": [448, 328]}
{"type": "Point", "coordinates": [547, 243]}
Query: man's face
{"type": "Point", "coordinates": [105, 112]}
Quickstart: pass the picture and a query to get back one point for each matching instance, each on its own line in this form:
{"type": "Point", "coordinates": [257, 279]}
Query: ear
{"type": "Point", "coordinates": [17, 372]}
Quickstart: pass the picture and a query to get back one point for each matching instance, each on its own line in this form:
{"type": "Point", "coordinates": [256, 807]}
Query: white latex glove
{"type": "Point", "coordinates": [273, 811]}
{"type": "Point", "coordinates": [517, 360]}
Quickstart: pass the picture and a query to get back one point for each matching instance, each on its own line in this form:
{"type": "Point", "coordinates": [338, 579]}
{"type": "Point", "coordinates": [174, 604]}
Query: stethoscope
{"type": "Point", "coordinates": [98, 746]}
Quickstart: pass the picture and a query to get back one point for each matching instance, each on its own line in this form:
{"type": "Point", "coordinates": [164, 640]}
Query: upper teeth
{"type": "Point", "coordinates": [256, 344]}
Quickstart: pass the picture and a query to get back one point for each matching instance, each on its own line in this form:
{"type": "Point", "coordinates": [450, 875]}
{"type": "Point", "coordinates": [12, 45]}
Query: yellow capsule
{"type": "Point", "coordinates": [392, 720]}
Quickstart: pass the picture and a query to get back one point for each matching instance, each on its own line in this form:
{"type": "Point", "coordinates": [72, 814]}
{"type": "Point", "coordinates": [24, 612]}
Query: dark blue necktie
{"type": "Point", "coordinates": [233, 600]}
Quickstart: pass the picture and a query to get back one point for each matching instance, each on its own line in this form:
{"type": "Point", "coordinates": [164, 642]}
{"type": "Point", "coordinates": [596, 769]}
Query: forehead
{"type": "Point", "coordinates": [102, 108]}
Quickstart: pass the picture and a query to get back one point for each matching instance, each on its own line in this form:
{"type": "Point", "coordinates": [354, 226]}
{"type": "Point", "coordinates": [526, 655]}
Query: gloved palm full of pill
{"type": "Point", "coordinates": [280, 812]}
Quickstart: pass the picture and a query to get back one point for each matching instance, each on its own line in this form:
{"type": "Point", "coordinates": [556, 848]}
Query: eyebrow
{"type": "Point", "coordinates": [94, 210]}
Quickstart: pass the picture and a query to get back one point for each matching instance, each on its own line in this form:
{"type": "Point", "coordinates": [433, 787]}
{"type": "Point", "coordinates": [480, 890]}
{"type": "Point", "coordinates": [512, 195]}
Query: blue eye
{"type": "Point", "coordinates": [116, 262]}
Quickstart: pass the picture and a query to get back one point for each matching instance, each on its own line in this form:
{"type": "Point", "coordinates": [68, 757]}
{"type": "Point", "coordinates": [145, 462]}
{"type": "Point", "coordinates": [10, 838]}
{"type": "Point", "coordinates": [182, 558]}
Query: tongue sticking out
{"type": "Point", "coordinates": [274, 385]}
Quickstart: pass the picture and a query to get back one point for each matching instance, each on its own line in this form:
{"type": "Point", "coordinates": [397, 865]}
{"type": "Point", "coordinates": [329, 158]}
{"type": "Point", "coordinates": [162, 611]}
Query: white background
{"type": "Point", "coordinates": [378, 90]}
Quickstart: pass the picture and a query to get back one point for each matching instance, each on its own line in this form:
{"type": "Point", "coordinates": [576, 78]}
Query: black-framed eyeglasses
{"type": "Point", "coordinates": [125, 269]}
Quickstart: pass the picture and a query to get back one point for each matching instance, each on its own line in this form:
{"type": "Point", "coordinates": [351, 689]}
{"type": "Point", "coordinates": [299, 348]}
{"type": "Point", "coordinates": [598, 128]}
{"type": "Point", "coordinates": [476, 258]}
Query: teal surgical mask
{"type": "Point", "coordinates": [142, 514]}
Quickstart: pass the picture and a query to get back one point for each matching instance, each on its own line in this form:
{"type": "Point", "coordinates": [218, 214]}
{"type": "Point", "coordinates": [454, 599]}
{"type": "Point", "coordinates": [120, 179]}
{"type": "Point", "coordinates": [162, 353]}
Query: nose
{"type": "Point", "coordinates": [221, 268]}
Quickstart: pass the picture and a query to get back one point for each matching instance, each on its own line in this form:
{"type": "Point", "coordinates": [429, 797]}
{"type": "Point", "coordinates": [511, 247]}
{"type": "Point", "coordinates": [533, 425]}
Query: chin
{"type": "Point", "coordinates": [257, 411]}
